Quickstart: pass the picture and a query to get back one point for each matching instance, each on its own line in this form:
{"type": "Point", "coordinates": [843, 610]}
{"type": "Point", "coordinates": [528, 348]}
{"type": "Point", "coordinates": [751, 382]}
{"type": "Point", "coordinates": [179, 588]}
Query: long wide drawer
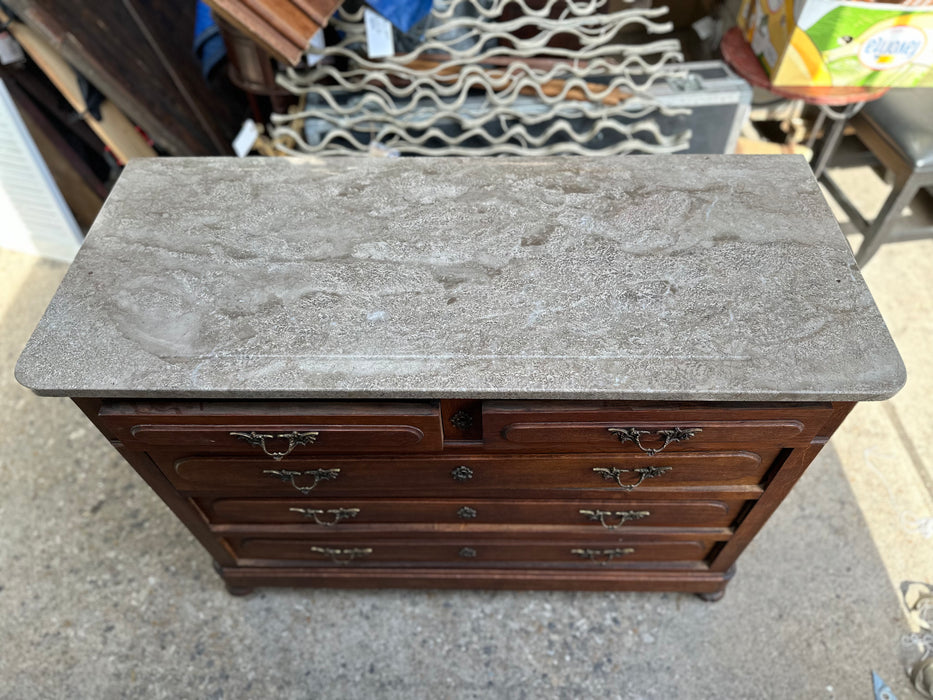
{"type": "Point", "coordinates": [275, 430]}
{"type": "Point", "coordinates": [553, 426]}
{"type": "Point", "coordinates": [466, 552]}
{"type": "Point", "coordinates": [473, 475]}
{"type": "Point", "coordinates": [597, 514]}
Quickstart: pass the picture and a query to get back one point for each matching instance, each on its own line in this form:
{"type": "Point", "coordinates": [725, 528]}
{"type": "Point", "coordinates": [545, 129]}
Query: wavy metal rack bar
{"type": "Point", "coordinates": [472, 87]}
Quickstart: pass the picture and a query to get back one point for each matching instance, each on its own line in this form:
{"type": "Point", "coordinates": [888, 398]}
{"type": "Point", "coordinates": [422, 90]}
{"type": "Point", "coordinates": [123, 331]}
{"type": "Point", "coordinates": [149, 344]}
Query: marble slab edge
{"type": "Point", "coordinates": [492, 394]}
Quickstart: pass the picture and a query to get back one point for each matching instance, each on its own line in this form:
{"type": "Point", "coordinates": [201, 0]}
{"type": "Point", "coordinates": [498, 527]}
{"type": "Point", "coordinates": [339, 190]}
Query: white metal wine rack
{"type": "Point", "coordinates": [471, 87]}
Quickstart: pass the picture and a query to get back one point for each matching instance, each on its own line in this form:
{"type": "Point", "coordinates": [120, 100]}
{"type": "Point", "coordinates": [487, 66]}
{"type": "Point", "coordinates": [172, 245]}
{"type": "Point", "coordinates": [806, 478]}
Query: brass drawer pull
{"type": "Point", "coordinates": [615, 474]}
{"type": "Point", "coordinates": [467, 552]}
{"type": "Point", "coordinates": [669, 436]}
{"type": "Point", "coordinates": [466, 513]}
{"type": "Point", "coordinates": [338, 513]}
{"type": "Point", "coordinates": [610, 554]}
{"type": "Point", "coordinates": [289, 476]}
{"type": "Point", "coordinates": [294, 440]}
{"type": "Point", "coordinates": [335, 554]}
{"type": "Point", "coordinates": [461, 473]}
{"type": "Point", "coordinates": [623, 515]}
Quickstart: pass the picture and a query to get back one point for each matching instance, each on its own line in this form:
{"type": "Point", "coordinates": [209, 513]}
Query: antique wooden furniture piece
{"type": "Point", "coordinates": [597, 374]}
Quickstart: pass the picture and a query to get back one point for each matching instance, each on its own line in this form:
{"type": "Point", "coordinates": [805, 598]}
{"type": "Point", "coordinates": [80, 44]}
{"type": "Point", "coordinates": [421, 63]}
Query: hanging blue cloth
{"type": "Point", "coordinates": [208, 44]}
{"type": "Point", "coordinates": [403, 14]}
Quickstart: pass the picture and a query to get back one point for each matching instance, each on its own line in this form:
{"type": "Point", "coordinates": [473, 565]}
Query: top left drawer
{"type": "Point", "coordinates": [274, 429]}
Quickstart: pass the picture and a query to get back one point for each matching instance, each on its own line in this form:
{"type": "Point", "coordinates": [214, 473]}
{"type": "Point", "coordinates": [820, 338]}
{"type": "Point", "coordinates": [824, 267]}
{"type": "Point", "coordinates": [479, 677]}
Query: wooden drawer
{"type": "Point", "coordinates": [275, 430]}
{"type": "Point", "coordinates": [546, 426]}
{"type": "Point", "coordinates": [465, 552]}
{"type": "Point", "coordinates": [466, 476]}
{"type": "Point", "coordinates": [596, 514]}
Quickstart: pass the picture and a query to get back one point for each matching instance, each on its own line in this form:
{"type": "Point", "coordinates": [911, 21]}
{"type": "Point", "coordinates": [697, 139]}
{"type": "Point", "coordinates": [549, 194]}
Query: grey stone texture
{"type": "Point", "coordinates": [687, 277]}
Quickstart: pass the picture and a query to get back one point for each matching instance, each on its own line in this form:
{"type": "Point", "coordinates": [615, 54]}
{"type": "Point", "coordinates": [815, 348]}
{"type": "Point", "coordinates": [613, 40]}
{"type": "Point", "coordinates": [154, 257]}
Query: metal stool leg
{"type": "Point", "coordinates": [881, 228]}
{"type": "Point", "coordinates": [834, 135]}
{"type": "Point", "coordinates": [815, 129]}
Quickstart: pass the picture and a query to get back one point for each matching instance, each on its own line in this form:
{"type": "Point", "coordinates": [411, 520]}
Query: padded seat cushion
{"type": "Point", "coordinates": [904, 118]}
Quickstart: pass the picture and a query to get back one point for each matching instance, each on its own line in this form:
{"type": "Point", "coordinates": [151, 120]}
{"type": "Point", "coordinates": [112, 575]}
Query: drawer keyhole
{"type": "Point", "coordinates": [461, 473]}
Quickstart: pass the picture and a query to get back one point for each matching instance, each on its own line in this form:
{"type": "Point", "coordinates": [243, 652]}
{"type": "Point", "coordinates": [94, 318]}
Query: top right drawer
{"type": "Point", "coordinates": [648, 428]}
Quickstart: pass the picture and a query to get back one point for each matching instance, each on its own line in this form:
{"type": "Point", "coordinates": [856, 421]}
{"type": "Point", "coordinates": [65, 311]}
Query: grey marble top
{"type": "Point", "coordinates": [656, 278]}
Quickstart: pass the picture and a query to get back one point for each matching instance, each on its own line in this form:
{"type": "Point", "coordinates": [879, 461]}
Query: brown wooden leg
{"type": "Point", "coordinates": [239, 590]}
{"type": "Point", "coordinates": [231, 588]}
{"type": "Point", "coordinates": [717, 595]}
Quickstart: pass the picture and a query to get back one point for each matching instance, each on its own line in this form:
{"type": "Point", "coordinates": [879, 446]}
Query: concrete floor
{"type": "Point", "coordinates": [104, 595]}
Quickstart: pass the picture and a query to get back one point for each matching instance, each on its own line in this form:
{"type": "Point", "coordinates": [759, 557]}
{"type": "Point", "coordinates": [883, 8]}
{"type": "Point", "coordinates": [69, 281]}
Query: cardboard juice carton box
{"type": "Point", "coordinates": [842, 42]}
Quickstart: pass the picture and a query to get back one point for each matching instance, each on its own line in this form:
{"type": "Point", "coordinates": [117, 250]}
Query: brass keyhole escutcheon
{"type": "Point", "coordinates": [461, 473]}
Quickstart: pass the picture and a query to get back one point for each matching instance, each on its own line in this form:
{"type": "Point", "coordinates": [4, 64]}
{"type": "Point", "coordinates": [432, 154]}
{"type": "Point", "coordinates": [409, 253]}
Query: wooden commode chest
{"type": "Point", "coordinates": [599, 374]}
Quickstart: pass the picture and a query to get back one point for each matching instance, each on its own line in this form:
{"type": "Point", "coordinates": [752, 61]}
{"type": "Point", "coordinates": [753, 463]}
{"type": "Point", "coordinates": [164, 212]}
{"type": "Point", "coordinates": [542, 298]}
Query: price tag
{"type": "Point", "coordinates": [379, 41]}
{"type": "Point", "coordinates": [705, 27]}
{"type": "Point", "coordinates": [316, 45]}
{"type": "Point", "coordinates": [246, 139]}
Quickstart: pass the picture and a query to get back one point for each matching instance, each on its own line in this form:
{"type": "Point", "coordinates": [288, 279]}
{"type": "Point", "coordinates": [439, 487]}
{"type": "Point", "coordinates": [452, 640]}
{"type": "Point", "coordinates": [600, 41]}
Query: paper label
{"type": "Point", "coordinates": [10, 50]}
{"type": "Point", "coordinates": [379, 41]}
{"type": "Point", "coordinates": [316, 46]}
{"type": "Point", "coordinates": [246, 138]}
{"type": "Point", "coordinates": [705, 27]}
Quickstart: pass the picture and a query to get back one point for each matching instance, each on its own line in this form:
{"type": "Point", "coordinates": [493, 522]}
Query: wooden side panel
{"type": "Point", "coordinates": [784, 479]}
{"type": "Point", "coordinates": [183, 509]}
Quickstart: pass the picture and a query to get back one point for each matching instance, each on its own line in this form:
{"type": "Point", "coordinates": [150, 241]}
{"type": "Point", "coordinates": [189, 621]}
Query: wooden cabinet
{"type": "Point", "coordinates": [659, 496]}
{"type": "Point", "coordinates": [576, 373]}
